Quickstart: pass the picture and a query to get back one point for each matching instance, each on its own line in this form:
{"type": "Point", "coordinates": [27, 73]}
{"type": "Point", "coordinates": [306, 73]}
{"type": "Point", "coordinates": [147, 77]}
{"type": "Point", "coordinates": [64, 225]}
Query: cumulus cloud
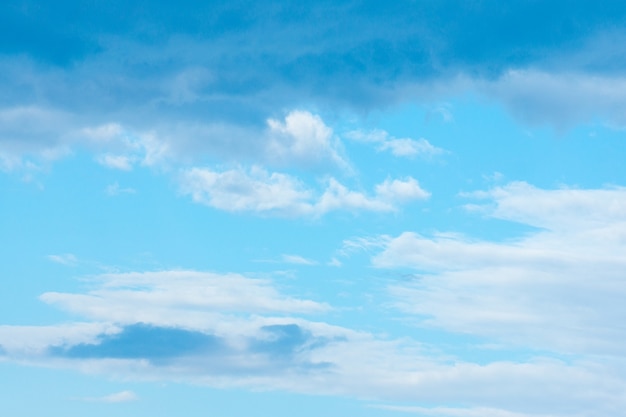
{"type": "Point", "coordinates": [403, 147]}
{"type": "Point", "coordinates": [280, 194]}
{"type": "Point", "coordinates": [302, 139]}
{"type": "Point", "coordinates": [558, 287]}
{"type": "Point", "coordinates": [401, 190]}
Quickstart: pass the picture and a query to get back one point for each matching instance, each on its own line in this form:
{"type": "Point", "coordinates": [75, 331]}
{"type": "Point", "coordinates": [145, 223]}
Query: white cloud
{"type": "Point", "coordinates": [67, 259]}
{"type": "Point", "coordinates": [298, 260]}
{"type": "Point", "coordinates": [557, 288]}
{"type": "Point", "coordinates": [23, 341]}
{"type": "Point", "coordinates": [185, 298]}
{"type": "Point", "coordinates": [399, 190]}
{"type": "Point", "coordinates": [31, 134]}
{"type": "Point", "coordinates": [121, 162]}
{"type": "Point", "coordinates": [405, 147]}
{"type": "Point", "coordinates": [275, 193]}
{"type": "Point", "coordinates": [302, 139]}
{"type": "Point", "coordinates": [118, 397]}
{"type": "Point", "coordinates": [259, 191]}
{"type": "Point", "coordinates": [339, 197]}
{"type": "Point", "coordinates": [456, 412]}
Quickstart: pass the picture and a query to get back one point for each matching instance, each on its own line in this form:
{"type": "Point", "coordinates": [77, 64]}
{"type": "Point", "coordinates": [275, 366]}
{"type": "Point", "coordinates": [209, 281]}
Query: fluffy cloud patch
{"type": "Point", "coordinates": [302, 139]}
{"type": "Point", "coordinates": [258, 190]}
{"type": "Point", "coordinates": [280, 194]}
{"type": "Point", "coordinates": [401, 190]}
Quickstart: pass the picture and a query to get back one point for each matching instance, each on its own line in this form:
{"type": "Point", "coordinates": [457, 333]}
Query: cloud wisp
{"type": "Point", "coordinates": [118, 397]}
{"type": "Point", "coordinates": [400, 147]}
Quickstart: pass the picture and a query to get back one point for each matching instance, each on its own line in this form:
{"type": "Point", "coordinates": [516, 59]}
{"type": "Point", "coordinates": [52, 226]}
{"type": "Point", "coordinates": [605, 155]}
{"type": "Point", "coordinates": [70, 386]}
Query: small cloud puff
{"type": "Point", "coordinates": [401, 190]}
{"type": "Point", "coordinates": [401, 147]}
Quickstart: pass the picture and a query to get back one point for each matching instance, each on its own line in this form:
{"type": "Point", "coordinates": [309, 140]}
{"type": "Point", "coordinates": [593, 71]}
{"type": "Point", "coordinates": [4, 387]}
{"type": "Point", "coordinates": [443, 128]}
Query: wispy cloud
{"type": "Point", "coordinates": [404, 147]}
{"type": "Point", "coordinates": [115, 189]}
{"type": "Point", "coordinates": [66, 259]}
{"type": "Point", "coordinates": [456, 412]}
{"type": "Point", "coordinates": [298, 260]}
{"type": "Point", "coordinates": [118, 397]}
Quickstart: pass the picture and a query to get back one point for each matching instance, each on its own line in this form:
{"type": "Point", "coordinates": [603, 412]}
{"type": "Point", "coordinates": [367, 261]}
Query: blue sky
{"type": "Point", "coordinates": [317, 208]}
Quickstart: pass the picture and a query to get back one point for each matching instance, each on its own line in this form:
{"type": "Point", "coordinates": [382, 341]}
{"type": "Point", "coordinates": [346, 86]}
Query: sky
{"type": "Point", "coordinates": [364, 208]}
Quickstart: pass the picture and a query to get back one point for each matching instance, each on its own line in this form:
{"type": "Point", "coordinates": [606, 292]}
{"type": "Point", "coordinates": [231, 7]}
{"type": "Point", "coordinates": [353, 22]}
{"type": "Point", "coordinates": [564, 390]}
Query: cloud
{"type": "Point", "coordinates": [231, 331]}
{"type": "Point", "coordinates": [560, 98]}
{"type": "Point", "coordinates": [236, 190]}
{"type": "Point", "coordinates": [197, 88]}
{"type": "Point", "coordinates": [121, 162]}
{"type": "Point", "coordinates": [38, 135]}
{"type": "Point", "coordinates": [401, 190]}
{"type": "Point", "coordinates": [26, 341]}
{"type": "Point", "coordinates": [298, 260]}
{"type": "Point", "coordinates": [115, 189]}
{"type": "Point", "coordinates": [403, 147]}
{"type": "Point", "coordinates": [456, 412]}
{"type": "Point", "coordinates": [31, 134]}
{"type": "Point", "coordinates": [557, 287]}
{"type": "Point", "coordinates": [193, 297]}
{"type": "Point", "coordinates": [66, 259]}
{"type": "Point", "coordinates": [280, 194]}
{"type": "Point", "coordinates": [118, 397]}
{"type": "Point", "coordinates": [302, 139]}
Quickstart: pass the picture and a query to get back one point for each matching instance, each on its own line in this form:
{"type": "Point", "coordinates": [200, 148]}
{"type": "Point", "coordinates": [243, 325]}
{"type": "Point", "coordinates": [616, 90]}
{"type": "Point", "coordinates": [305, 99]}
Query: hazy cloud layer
{"type": "Point", "coordinates": [185, 326]}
